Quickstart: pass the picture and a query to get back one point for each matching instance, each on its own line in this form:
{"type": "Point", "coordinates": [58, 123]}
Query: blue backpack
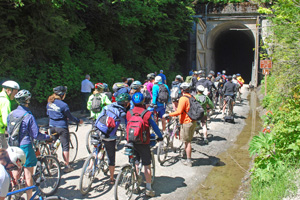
{"type": "Point", "coordinates": [109, 118]}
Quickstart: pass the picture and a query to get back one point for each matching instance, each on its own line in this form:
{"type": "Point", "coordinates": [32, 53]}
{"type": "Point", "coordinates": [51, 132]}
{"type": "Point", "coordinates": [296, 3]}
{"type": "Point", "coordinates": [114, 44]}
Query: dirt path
{"type": "Point", "coordinates": [173, 180]}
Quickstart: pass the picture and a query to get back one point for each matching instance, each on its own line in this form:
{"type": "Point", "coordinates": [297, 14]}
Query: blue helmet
{"type": "Point", "coordinates": [238, 74]}
{"type": "Point", "coordinates": [219, 73]}
{"type": "Point", "coordinates": [137, 98]}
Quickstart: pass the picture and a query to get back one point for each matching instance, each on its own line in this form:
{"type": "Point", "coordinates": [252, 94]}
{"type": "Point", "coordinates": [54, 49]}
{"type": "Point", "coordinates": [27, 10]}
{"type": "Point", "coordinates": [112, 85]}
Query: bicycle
{"type": "Point", "coordinates": [129, 178]}
{"type": "Point", "coordinates": [54, 146]}
{"type": "Point", "coordinates": [171, 141]}
{"type": "Point", "coordinates": [47, 171]}
{"type": "Point", "coordinates": [93, 165]}
{"type": "Point", "coordinates": [120, 134]}
{"type": "Point", "coordinates": [229, 105]}
{"type": "Point", "coordinates": [38, 193]}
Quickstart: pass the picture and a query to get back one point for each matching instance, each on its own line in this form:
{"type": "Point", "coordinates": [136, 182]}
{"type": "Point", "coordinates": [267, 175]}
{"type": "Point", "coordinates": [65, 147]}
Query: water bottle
{"type": "Point", "coordinates": [57, 143]}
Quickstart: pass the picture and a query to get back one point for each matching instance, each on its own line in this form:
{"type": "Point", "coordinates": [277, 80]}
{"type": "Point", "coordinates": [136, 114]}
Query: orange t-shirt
{"type": "Point", "coordinates": [182, 110]}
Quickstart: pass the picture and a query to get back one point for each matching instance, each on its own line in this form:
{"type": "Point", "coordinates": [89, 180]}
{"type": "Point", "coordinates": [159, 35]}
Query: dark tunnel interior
{"type": "Point", "coordinates": [234, 53]}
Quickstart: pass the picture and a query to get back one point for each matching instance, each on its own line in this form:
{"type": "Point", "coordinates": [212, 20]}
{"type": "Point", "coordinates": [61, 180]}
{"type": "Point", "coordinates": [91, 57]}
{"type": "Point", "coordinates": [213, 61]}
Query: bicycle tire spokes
{"type": "Point", "coordinates": [124, 186]}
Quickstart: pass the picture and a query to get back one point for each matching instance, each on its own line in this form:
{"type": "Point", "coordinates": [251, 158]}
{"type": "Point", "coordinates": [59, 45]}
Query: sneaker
{"type": "Point", "coordinates": [187, 163]}
{"type": "Point", "coordinates": [150, 193]}
{"type": "Point", "coordinates": [205, 141]}
{"type": "Point", "coordinates": [68, 169]}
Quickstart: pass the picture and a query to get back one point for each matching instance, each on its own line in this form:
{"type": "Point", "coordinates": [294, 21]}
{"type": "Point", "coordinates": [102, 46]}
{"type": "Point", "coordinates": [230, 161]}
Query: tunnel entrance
{"type": "Point", "coordinates": [231, 48]}
{"type": "Point", "coordinates": [234, 53]}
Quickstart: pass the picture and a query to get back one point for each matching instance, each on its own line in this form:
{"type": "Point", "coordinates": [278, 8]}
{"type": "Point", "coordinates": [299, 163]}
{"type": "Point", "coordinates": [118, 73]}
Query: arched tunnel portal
{"type": "Point", "coordinates": [231, 48]}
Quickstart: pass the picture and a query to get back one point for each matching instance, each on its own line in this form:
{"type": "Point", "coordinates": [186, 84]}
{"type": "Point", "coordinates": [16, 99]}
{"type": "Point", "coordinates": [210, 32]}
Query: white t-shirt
{"type": "Point", "coordinates": [86, 86]}
{"type": "Point", "coordinates": [4, 181]}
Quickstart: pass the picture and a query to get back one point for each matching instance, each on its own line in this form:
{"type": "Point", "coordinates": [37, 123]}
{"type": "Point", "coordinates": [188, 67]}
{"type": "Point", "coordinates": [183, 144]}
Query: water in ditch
{"type": "Point", "coordinates": [224, 181]}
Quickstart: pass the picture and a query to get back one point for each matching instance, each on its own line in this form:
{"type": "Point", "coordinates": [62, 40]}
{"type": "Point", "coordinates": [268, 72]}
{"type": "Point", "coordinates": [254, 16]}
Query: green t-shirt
{"type": "Point", "coordinates": [205, 102]}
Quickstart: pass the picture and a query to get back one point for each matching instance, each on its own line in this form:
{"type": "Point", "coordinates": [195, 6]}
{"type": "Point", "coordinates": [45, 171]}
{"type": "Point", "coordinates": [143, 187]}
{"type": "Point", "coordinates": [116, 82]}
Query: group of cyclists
{"type": "Point", "coordinates": [130, 100]}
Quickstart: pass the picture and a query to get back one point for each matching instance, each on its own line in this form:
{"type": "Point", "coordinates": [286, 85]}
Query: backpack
{"type": "Point", "coordinates": [147, 95]}
{"type": "Point", "coordinates": [118, 86]}
{"type": "Point", "coordinates": [202, 100]}
{"type": "Point", "coordinates": [136, 129]}
{"type": "Point", "coordinates": [163, 94]}
{"type": "Point", "coordinates": [196, 112]}
{"type": "Point", "coordinates": [175, 92]}
{"type": "Point", "coordinates": [13, 129]}
{"type": "Point", "coordinates": [96, 104]}
{"type": "Point", "coordinates": [108, 118]}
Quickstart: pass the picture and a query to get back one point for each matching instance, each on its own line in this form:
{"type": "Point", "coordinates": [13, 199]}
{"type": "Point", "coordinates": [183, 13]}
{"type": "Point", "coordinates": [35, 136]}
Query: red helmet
{"type": "Point", "coordinates": [99, 86]}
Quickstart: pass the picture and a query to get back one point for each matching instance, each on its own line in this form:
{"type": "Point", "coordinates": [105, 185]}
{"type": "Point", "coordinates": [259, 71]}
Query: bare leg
{"type": "Point", "coordinates": [28, 179]}
{"type": "Point", "coordinates": [188, 150]}
{"type": "Point", "coordinates": [148, 173]}
{"type": "Point", "coordinates": [66, 157]}
{"type": "Point", "coordinates": [111, 172]}
{"type": "Point", "coordinates": [163, 122]}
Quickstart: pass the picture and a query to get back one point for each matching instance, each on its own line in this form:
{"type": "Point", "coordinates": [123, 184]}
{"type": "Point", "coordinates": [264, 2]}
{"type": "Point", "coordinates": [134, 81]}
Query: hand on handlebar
{"type": "Point", "coordinates": [165, 115]}
{"type": "Point", "coordinates": [80, 121]}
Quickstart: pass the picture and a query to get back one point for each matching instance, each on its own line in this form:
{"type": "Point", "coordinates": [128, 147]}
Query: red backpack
{"type": "Point", "coordinates": [136, 128]}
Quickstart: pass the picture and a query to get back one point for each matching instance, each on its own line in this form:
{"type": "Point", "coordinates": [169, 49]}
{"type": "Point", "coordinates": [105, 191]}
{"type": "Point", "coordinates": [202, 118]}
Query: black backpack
{"type": "Point", "coordinates": [196, 111]}
{"type": "Point", "coordinates": [13, 129]}
{"type": "Point", "coordinates": [163, 94]}
{"type": "Point", "coordinates": [96, 104]}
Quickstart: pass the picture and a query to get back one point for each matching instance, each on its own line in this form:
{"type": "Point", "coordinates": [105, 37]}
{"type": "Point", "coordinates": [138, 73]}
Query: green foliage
{"type": "Point", "coordinates": [50, 43]}
{"type": "Point", "coordinates": [276, 150]}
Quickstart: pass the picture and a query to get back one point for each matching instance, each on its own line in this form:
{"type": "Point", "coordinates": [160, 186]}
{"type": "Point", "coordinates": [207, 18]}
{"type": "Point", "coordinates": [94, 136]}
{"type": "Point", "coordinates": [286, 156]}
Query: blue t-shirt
{"type": "Point", "coordinates": [163, 77]}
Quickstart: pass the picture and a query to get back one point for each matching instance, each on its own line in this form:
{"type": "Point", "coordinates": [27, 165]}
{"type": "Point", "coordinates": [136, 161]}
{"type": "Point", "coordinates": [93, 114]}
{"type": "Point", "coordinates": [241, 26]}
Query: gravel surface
{"type": "Point", "coordinates": [173, 180]}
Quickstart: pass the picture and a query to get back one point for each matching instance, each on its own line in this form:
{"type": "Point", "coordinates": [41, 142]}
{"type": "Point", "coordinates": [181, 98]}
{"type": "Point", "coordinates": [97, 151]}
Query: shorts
{"type": "Point", "coordinates": [161, 110]}
{"type": "Point", "coordinates": [30, 155]}
{"type": "Point", "coordinates": [64, 137]}
{"type": "Point", "coordinates": [187, 131]}
{"type": "Point", "coordinates": [110, 148]}
{"type": "Point", "coordinates": [142, 151]}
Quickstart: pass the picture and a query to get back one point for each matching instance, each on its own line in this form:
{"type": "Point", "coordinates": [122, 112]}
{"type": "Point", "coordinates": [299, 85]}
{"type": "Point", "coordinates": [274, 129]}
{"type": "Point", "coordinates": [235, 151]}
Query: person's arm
{"type": "Point", "coordinates": [92, 85]}
{"type": "Point", "coordinates": [155, 127]}
{"type": "Point", "coordinates": [68, 114]}
{"type": "Point", "coordinates": [5, 110]}
{"type": "Point", "coordinates": [34, 130]}
{"type": "Point", "coordinates": [180, 108]}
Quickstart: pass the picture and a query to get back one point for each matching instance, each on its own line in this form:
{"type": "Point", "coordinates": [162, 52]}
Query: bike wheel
{"type": "Point", "coordinates": [49, 171]}
{"type": "Point", "coordinates": [73, 147]}
{"type": "Point", "coordinates": [152, 168]}
{"type": "Point", "coordinates": [55, 198]}
{"type": "Point", "coordinates": [221, 102]}
{"type": "Point", "coordinates": [87, 175]}
{"type": "Point", "coordinates": [162, 150]}
{"type": "Point", "coordinates": [175, 137]}
{"type": "Point", "coordinates": [230, 108]}
{"type": "Point", "coordinates": [89, 146]}
{"type": "Point", "coordinates": [124, 183]}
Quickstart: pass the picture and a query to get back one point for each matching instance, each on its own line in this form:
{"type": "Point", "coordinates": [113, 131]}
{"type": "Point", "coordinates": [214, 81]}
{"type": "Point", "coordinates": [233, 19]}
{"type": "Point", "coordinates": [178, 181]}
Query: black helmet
{"type": "Point", "coordinates": [60, 90]}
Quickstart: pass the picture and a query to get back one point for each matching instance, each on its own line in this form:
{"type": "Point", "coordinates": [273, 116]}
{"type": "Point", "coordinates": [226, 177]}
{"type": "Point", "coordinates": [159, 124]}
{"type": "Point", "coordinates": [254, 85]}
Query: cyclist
{"type": "Point", "coordinates": [108, 137]}
{"type": "Point", "coordinates": [211, 86]}
{"type": "Point", "coordinates": [10, 159]}
{"type": "Point", "coordinates": [228, 90]}
{"type": "Point", "coordinates": [161, 109]}
{"type": "Point", "coordinates": [150, 82]}
{"type": "Point", "coordinates": [240, 79]}
{"type": "Point", "coordinates": [143, 150]}
{"type": "Point", "coordinates": [121, 87]}
{"type": "Point", "coordinates": [92, 104]}
{"type": "Point", "coordinates": [9, 89]}
{"type": "Point", "coordinates": [206, 104]}
{"type": "Point", "coordinates": [212, 73]}
{"type": "Point", "coordinates": [187, 127]}
{"type": "Point", "coordinates": [29, 130]}
{"type": "Point", "coordinates": [194, 81]}
{"type": "Point", "coordinates": [59, 114]}
{"type": "Point", "coordinates": [236, 82]}
{"type": "Point", "coordinates": [176, 89]}
{"type": "Point", "coordinates": [135, 87]}
{"type": "Point", "coordinates": [163, 77]}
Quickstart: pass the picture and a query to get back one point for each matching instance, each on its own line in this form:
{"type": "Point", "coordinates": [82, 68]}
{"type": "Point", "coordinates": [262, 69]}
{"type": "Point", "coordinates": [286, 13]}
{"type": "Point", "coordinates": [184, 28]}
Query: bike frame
{"type": "Point", "coordinates": [37, 192]}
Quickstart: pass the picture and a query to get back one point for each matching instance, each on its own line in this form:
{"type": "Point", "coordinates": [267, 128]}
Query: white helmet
{"type": "Point", "coordinates": [23, 96]}
{"type": "Point", "coordinates": [11, 84]}
{"type": "Point", "coordinates": [185, 86]}
{"type": "Point", "coordinates": [200, 88]}
{"type": "Point", "coordinates": [15, 154]}
{"type": "Point", "coordinates": [158, 79]}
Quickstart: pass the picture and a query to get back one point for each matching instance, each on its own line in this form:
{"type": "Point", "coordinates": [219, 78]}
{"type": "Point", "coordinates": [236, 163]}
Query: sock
{"type": "Point", "coordinates": [148, 186]}
{"type": "Point", "coordinates": [189, 160]}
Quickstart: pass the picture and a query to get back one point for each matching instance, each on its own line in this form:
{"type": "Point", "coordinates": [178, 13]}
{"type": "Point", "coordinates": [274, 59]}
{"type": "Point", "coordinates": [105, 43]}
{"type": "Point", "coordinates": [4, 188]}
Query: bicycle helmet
{"type": "Point", "coordinates": [185, 86]}
{"type": "Point", "coordinates": [15, 154]}
{"type": "Point", "coordinates": [105, 85]}
{"type": "Point", "coordinates": [124, 97]}
{"type": "Point", "coordinates": [137, 98]}
{"type": "Point", "coordinates": [212, 72]}
{"type": "Point", "coordinates": [219, 73]}
{"type": "Point", "coordinates": [179, 77]}
{"type": "Point", "coordinates": [99, 86]}
{"type": "Point", "coordinates": [234, 76]}
{"type": "Point", "coordinates": [209, 76]}
{"type": "Point", "coordinates": [218, 78]}
{"type": "Point", "coordinates": [238, 74]}
{"type": "Point", "coordinates": [158, 79]}
{"type": "Point", "coordinates": [200, 88]}
{"type": "Point", "coordinates": [60, 90]}
{"type": "Point", "coordinates": [11, 84]}
{"type": "Point", "coordinates": [224, 72]}
{"type": "Point", "coordinates": [151, 76]}
{"type": "Point", "coordinates": [22, 97]}
{"type": "Point", "coordinates": [136, 85]}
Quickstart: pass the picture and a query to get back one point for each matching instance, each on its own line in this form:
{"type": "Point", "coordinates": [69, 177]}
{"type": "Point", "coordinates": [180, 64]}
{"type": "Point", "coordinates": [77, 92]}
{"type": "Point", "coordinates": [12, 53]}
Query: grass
{"type": "Point", "coordinates": [282, 184]}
